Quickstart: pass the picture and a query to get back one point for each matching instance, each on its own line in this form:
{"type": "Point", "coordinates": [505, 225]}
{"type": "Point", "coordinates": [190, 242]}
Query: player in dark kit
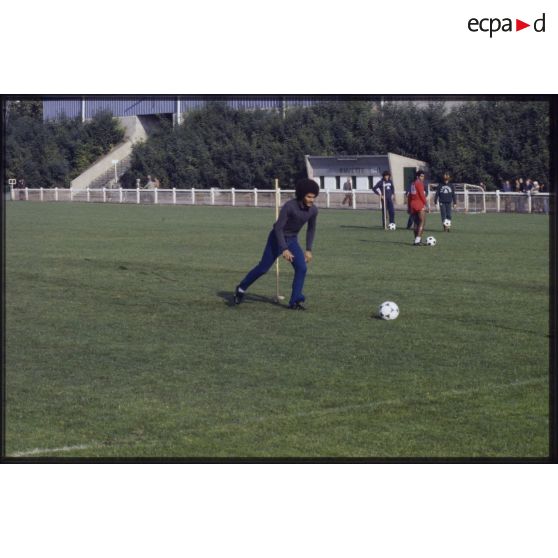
{"type": "Point", "coordinates": [384, 189]}
{"type": "Point", "coordinates": [282, 241]}
{"type": "Point", "coordinates": [445, 195]}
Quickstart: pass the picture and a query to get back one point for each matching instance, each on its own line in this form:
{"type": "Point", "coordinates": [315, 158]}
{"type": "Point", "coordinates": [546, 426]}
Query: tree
{"type": "Point", "coordinates": [48, 154]}
{"type": "Point", "coordinates": [219, 147]}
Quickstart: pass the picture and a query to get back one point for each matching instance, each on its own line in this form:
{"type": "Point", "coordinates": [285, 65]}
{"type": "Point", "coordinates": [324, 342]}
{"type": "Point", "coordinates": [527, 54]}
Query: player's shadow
{"type": "Point", "coordinates": [228, 298]}
{"type": "Point", "coordinates": [360, 227]}
{"type": "Point", "coordinates": [367, 240]}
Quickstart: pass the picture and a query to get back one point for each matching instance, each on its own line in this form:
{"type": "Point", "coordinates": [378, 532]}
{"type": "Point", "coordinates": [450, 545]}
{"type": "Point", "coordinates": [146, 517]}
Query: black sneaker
{"type": "Point", "coordinates": [296, 306]}
{"type": "Point", "coordinates": [238, 296]}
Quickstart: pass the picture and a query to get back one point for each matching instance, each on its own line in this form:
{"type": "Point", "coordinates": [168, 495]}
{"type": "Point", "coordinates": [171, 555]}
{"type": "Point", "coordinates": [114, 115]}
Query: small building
{"type": "Point", "coordinates": [364, 170]}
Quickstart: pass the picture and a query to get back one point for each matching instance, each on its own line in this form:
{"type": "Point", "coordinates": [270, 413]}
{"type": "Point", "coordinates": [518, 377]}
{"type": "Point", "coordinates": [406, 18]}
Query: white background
{"type": "Point", "coordinates": [248, 46]}
{"type": "Point", "coordinates": [291, 46]}
{"type": "Point", "coordinates": [458, 511]}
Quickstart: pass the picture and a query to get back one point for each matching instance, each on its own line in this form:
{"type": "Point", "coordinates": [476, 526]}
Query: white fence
{"type": "Point", "coordinates": [470, 199]}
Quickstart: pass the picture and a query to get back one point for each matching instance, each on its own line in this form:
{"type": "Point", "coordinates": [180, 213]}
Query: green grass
{"type": "Point", "coordinates": [120, 337]}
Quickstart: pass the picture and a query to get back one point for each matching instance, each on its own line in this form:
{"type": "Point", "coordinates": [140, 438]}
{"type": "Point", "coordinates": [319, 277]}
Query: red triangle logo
{"type": "Point", "coordinates": [519, 25]}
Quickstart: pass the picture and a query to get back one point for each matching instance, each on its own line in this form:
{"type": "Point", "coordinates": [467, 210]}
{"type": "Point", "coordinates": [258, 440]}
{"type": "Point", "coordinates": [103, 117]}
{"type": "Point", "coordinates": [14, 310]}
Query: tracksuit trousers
{"type": "Point", "coordinates": [270, 254]}
{"type": "Point", "coordinates": [445, 211]}
{"type": "Point", "coordinates": [390, 212]}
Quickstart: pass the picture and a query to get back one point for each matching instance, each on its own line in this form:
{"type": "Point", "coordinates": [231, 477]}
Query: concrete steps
{"type": "Point", "coordinates": [107, 179]}
{"type": "Point", "coordinates": [101, 173]}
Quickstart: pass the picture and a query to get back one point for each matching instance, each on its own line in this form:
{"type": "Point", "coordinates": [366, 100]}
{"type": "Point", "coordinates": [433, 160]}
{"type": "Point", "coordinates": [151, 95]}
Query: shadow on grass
{"type": "Point", "coordinates": [228, 298]}
{"type": "Point", "coordinates": [360, 227]}
{"type": "Point", "coordinates": [409, 243]}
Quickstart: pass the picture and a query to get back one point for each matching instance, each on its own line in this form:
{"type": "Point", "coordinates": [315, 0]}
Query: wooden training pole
{"type": "Point", "coordinates": [278, 297]}
{"type": "Point", "coordinates": [384, 209]}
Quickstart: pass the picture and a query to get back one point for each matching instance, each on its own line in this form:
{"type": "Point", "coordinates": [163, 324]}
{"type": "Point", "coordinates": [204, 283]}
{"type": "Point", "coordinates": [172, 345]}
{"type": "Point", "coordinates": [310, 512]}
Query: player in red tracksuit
{"type": "Point", "coordinates": [416, 204]}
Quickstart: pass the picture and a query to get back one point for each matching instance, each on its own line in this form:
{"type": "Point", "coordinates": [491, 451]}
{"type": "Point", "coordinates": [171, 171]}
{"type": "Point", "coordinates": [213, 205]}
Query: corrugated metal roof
{"type": "Point", "coordinates": [368, 165]}
{"type": "Point", "coordinates": [130, 106]}
{"type": "Point", "coordinates": [54, 109]}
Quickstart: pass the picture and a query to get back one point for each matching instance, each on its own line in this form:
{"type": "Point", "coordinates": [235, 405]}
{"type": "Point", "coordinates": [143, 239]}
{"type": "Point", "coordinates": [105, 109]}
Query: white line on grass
{"type": "Point", "coordinates": [402, 401]}
{"type": "Point", "coordinates": [39, 451]}
{"type": "Point", "coordinates": [331, 410]}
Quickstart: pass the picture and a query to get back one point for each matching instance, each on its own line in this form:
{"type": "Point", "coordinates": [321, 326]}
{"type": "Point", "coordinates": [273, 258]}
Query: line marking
{"type": "Point", "coordinates": [331, 410]}
{"type": "Point", "coordinates": [38, 451]}
{"type": "Point", "coordinates": [400, 401]}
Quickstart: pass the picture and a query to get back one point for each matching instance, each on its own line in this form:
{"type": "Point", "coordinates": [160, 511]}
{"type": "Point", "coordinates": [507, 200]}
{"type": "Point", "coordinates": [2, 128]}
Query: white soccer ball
{"type": "Point", "coordinates": [392, 226]}
{"type": "Point", "coordinates": [431, 241]}
{"type": "Point", "coordinates": [388, 310]}
{"type": "Point", "coordinates": [447, 223]}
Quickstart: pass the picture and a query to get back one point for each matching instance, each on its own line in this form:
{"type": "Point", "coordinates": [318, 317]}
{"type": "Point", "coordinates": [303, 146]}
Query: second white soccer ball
{"type": "Point", "coordinates": [447, 223]}
{"type": "Point", "coordinates": [392, 226]}
{"type": "Point", "coordinates": [431, 241]}
{"type": "Point", "coordinates": [388, 310]}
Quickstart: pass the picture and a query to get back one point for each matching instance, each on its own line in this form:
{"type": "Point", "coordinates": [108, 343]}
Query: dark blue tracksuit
{"type": "Point", "coordinates": [292, 217]}
{"type": "Point", "coordinates": [445, 194]}
{"type": "Point", "coordinates": [385, 188]}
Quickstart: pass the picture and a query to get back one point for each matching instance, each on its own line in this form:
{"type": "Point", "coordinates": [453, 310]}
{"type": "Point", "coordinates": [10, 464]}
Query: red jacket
{"type": "Point", "coordinates": [416, 200]}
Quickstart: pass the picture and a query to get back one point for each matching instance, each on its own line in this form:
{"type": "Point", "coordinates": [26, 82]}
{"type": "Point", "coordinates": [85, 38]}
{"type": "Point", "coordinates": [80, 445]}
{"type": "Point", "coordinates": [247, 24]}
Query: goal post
{"type": "Point", "coordinates": [471, 196]}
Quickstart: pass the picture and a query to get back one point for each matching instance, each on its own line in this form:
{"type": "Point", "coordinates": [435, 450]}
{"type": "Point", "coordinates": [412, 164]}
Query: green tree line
{"type": "Point", "coordinates": [49, 154]}
{"type": "Point", "coordinates": [219, 147]}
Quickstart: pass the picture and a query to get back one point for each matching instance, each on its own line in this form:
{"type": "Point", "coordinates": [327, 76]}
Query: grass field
{"type": "Point", "coordinates": [121, 341]}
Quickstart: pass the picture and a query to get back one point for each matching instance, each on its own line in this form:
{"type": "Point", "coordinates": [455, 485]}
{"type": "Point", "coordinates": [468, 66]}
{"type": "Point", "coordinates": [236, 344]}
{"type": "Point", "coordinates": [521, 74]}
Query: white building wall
{"type": "Point", "coordinates": [397, 163]}
{"type": "Point", "coordinates": [361, 183]}
{"type": "Point", "coordinates": [330, 183]}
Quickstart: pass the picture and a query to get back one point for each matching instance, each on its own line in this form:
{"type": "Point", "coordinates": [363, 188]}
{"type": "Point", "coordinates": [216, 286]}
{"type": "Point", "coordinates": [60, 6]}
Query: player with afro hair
{"type": "Point", "coordinates": [283, 241]}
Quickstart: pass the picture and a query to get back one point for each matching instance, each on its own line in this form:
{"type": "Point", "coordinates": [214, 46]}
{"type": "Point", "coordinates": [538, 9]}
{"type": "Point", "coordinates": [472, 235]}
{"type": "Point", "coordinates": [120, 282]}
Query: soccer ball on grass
{"type": "Point", "coordinates": [431, 241]}
{"type": "Point", "coordinates": [388, 310]}
{"type": "Point", "coordinates": [447, 223]}
{"type": "Point", "coordinates": [392, 226]}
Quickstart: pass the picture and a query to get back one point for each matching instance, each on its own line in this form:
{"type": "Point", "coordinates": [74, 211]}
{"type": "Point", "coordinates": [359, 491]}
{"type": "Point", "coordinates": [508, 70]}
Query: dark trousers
{"type": "Point", "coordinates": [445, 211]}
{"type": "Point", "coordinates": [390, 210]}
{"type": "Point", "coordinates": [270, 254]}
{"type": "Point", "coordinates": [410, 221]}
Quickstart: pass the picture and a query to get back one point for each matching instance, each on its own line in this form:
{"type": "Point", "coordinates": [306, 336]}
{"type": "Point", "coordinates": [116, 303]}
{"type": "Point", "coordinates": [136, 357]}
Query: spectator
{"type": "Point", "coordinates": [156, 183]}
{"type": "Point", "coordinates": [149, 183]}
{"type": "Point", "coordinates": [21, 186]}
{"type": "Point", "coordinates": [506, 189]}
{"type": "Point", "coordinates": [538, 206]}
{"type": "Point", "coordinates": [526, 190]}
{"type": "Point", "coordinates": [517, 188]}
{"type": "Point", "coordinates": [348, 189]}
{"type": "Point", "coordinates": [544, 200]}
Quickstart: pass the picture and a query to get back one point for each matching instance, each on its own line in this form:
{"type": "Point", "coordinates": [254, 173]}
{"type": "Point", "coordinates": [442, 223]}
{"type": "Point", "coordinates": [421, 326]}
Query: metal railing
{"type": "Point", "coordinates": [468, 200]}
